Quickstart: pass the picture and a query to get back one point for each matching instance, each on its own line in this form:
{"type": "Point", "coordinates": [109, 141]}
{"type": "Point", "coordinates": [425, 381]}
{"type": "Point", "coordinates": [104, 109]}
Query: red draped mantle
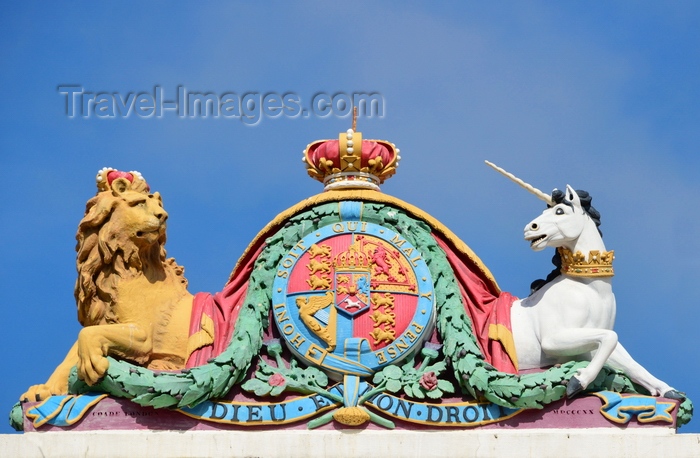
{"type": "Point", "coordinates": [223, 309]}
{"type": "Point", "coordinates": [486, 308]}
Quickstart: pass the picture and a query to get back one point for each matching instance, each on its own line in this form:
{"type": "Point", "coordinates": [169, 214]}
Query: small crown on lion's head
{"type": "Point", "coordinates": [351, 162]}
{"type": "Point", "coordinates": [106, 176]}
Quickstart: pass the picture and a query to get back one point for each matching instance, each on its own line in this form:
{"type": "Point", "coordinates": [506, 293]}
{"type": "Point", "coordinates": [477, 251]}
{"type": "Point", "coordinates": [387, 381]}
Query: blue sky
{"type": "Point", "coordinates": [603, 96]}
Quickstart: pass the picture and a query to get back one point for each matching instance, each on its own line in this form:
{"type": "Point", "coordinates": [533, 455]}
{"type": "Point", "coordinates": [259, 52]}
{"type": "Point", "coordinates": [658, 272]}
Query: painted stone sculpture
{"type": "Point", "coordinates": [573, 313]}
{"type": "Point", "coordinates": [132, 301]}
{"type": "Point", "coordinates": [371, 314]}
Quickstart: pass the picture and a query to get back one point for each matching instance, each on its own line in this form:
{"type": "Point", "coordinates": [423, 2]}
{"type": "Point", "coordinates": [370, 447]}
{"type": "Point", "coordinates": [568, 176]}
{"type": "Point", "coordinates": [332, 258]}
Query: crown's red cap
{"type": "Point", "coordinates": [106, 176]}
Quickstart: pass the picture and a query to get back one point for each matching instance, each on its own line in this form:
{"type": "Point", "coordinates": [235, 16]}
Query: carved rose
{"type": "Point", "coordinates": [277, 380]}
{"type": "Point", "coordinates": [429, 381]}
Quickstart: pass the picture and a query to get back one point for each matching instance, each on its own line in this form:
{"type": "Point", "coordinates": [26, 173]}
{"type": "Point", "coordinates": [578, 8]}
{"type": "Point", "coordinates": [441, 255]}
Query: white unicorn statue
{"type": "Point", "coordinates": [571, 315]}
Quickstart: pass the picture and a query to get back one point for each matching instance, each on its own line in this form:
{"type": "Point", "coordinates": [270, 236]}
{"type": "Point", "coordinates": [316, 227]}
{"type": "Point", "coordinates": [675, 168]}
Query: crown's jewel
{"type": "Point", "coordinates": [351, 162]}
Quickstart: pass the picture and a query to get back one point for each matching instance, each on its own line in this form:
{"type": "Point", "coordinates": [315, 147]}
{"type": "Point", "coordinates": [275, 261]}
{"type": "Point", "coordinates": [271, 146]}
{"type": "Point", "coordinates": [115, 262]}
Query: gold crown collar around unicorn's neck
{"type": "Point", "coordinates": [598, 264]}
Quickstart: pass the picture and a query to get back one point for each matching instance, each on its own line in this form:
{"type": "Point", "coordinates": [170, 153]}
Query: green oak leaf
{"type": "Point", "coordinates": [202, 376]}
{"type": "Point", "coordinates": [193, 397]}
{"type": "Point", "coordinates": [479, 379]}
{"type": "Point", "coordinates": [505, 386]}
{"type": "Point", "coordinates": [532, 380]}
{"type": "Point", "coordinates": [164, 400]}
{"type": "Point", "coordinates": [144, 399]}
{"type": "Point", "coordinates": [221, 381]}
{"type": "Point", "coordinates": [531, 398]}
{"type": "Point", "coordinates": [554, 394]}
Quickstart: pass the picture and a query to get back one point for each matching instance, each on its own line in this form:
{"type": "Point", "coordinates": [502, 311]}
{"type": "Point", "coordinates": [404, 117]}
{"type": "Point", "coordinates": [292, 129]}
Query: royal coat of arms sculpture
{"type": "Point", "coordinates": [351, 307]}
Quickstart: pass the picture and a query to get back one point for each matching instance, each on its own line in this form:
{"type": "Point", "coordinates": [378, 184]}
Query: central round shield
{"type": "Point", "coordinates": [353, 297]}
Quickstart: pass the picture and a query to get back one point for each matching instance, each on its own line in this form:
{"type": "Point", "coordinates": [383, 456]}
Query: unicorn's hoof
{"type": "Point", "coordinates": [673, 394]}
{"type": "Point", "coordinates": [573, 388]}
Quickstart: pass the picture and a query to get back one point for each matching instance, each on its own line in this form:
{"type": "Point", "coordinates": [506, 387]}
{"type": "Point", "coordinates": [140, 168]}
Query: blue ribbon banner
{"type": "Point", "coordinates": [460, 414]}
{"type": "Point", "coordinates": [67, 410]}
{"type": "Point", "coordinates": [262, 413]}
{"type": "Point", "coordinates": [63, 410]}
{"type": "Point", "coordinates": [621, 409]}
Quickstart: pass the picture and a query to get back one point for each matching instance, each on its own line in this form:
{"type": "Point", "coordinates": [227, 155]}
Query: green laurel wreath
{"type": "Point", "coordinates": [475, 376]}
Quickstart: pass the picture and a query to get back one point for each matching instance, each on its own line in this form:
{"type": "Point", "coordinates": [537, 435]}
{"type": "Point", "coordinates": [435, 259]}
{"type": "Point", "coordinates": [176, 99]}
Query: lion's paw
{"type": "Point", "coordinates": [92, 369]}
{"type": "Point", "coordinates": [39, 392]}
{"type": "Point", "coordinates": [92, 361]}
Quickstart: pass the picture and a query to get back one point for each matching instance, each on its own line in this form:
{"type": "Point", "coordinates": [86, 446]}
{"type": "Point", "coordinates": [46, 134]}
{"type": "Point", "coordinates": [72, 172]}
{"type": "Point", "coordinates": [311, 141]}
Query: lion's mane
{"type": "Point", "coordinates": [106, 256]}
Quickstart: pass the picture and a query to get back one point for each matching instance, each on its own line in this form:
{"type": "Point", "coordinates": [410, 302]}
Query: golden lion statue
{"type": "Point", "coordinates": [132, 301]}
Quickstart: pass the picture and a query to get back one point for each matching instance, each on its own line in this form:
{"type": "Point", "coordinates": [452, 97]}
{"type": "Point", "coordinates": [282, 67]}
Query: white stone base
{"type": "Point", "coordinates": [656, 442]}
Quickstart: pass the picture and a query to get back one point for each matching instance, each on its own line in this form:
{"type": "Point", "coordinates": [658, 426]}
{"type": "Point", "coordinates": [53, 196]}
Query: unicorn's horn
{"type": "Point", "coordinates": [528, 187]}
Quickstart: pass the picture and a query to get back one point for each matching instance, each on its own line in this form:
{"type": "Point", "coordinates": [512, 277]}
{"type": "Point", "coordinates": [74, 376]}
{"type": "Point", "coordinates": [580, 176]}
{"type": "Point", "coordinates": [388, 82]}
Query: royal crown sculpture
{"type": "Point", "coordinates": [351, 309]}
{"type": "Point", "coordinates": [351, 161]}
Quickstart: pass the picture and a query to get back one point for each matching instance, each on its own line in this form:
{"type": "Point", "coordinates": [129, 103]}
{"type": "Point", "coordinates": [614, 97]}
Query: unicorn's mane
{"type": "Point", "coordinates": [559, 197]}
